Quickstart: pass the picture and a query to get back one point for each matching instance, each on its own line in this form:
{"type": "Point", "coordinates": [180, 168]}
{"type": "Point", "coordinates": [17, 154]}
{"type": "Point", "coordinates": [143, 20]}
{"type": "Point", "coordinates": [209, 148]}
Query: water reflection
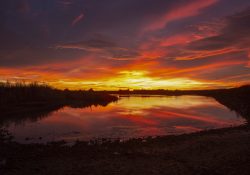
{"type": "Point", "coordinates": [129, 117]}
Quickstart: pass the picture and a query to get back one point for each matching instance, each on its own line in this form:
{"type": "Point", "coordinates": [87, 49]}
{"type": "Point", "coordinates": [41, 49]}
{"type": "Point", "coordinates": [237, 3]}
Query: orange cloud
{"type": "Point", "coordinates": [204, 54]}
{"type": "Point", "coordinates": [207, 67]}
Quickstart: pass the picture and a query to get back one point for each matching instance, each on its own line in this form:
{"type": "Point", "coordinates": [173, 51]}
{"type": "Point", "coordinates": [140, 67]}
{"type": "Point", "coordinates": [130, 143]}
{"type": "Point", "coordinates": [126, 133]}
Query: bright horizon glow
{"type": "Point", "coordinates": [133, 80]}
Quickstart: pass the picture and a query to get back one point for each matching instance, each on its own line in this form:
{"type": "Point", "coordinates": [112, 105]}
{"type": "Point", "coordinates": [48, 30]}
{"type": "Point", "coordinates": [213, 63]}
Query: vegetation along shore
{"type": "Point", "coordinates": [21, 100]}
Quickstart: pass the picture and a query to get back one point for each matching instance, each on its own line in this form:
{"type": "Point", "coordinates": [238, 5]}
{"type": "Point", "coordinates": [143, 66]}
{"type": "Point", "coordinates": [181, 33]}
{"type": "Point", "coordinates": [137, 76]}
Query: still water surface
{"type": "Point", "coordinates": [130, 117]}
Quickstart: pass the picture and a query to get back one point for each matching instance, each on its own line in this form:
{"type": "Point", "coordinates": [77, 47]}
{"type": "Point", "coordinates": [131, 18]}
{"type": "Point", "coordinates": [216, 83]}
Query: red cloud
{"type": "Point", "coordinates": [248, 65]}
{"type": "Point", "coordinates": [210, 67]}
{"type": "Point", "coordinates": [77, 19]}
{"type": "Point", "coordinates": [178, 13]}
{"type": "Point", "coordinates": [177, 39]}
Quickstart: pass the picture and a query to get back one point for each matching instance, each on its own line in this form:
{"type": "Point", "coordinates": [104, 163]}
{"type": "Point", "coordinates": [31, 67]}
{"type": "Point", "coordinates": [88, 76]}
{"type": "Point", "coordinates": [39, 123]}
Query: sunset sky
{"type": "Point", "coordinates": [120, 44]}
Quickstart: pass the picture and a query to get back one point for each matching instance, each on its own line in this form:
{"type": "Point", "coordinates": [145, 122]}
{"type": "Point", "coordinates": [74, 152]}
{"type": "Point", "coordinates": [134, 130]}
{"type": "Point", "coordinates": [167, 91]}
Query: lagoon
{"type": "Point", "coordinates": [130, 117]}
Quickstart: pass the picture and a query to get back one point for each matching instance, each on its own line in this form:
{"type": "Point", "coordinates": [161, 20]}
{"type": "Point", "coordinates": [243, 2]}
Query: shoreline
{"type": "Point", "coordinates": [217, 151]}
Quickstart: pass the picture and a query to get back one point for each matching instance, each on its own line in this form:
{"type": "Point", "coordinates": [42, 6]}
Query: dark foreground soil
{"type": "Point", "coordinates": [223, 151]}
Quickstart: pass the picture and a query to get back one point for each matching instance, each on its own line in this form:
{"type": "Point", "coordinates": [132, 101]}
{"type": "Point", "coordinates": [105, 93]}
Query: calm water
{"type": "Point", "coordinates": [128, 118]}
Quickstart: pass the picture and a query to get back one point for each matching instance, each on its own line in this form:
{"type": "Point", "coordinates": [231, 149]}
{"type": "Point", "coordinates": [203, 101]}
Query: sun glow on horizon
{"type": "Point", "coordinates": [132, 80]}
{"type": "Point", "coordinates": [123, 80]}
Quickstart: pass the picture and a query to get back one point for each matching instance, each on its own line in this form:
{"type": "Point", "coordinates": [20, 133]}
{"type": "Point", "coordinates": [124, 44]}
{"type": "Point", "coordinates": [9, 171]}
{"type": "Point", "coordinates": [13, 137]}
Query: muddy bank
{"type": "Point", "coordinates": [222, 151]}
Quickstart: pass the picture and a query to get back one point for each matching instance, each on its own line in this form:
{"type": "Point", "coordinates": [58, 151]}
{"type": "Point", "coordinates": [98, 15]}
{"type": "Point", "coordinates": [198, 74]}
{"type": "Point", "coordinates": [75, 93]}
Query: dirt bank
{"type": "Point", "coordinates": [223, 151]}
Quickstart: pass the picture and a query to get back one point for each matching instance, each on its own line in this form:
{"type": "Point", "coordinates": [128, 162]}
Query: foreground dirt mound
{"type": "Point", "coordinates": [224, 151]}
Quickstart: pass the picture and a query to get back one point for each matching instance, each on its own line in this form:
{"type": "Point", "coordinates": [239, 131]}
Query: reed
{"type": "Point", "coordinates": [25, 93]}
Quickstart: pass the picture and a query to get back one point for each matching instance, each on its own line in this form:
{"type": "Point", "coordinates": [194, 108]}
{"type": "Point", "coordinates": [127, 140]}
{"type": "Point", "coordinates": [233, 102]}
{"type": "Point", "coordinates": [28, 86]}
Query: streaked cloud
{"type": "Point", "coordinates": [178, 12]}
{"type": "Point", "coordinates": [171, 44]}
{"type": "Point", "coordinates": [77, 19]}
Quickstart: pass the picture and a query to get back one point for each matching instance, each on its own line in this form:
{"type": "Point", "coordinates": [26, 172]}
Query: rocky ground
{"type": "Point", "coordinates": [222, 151]}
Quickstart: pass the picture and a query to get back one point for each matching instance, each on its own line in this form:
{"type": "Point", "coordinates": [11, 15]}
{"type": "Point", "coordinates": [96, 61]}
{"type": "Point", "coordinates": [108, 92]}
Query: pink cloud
{"type": "Point", "coordinates": [184, 11]}
{"type": "Point", "coordinates": [177, 39]}
{"type": "Point", "coordinates": [248, 64]}
{"type": "Point", "coordinates": [77, 19]}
